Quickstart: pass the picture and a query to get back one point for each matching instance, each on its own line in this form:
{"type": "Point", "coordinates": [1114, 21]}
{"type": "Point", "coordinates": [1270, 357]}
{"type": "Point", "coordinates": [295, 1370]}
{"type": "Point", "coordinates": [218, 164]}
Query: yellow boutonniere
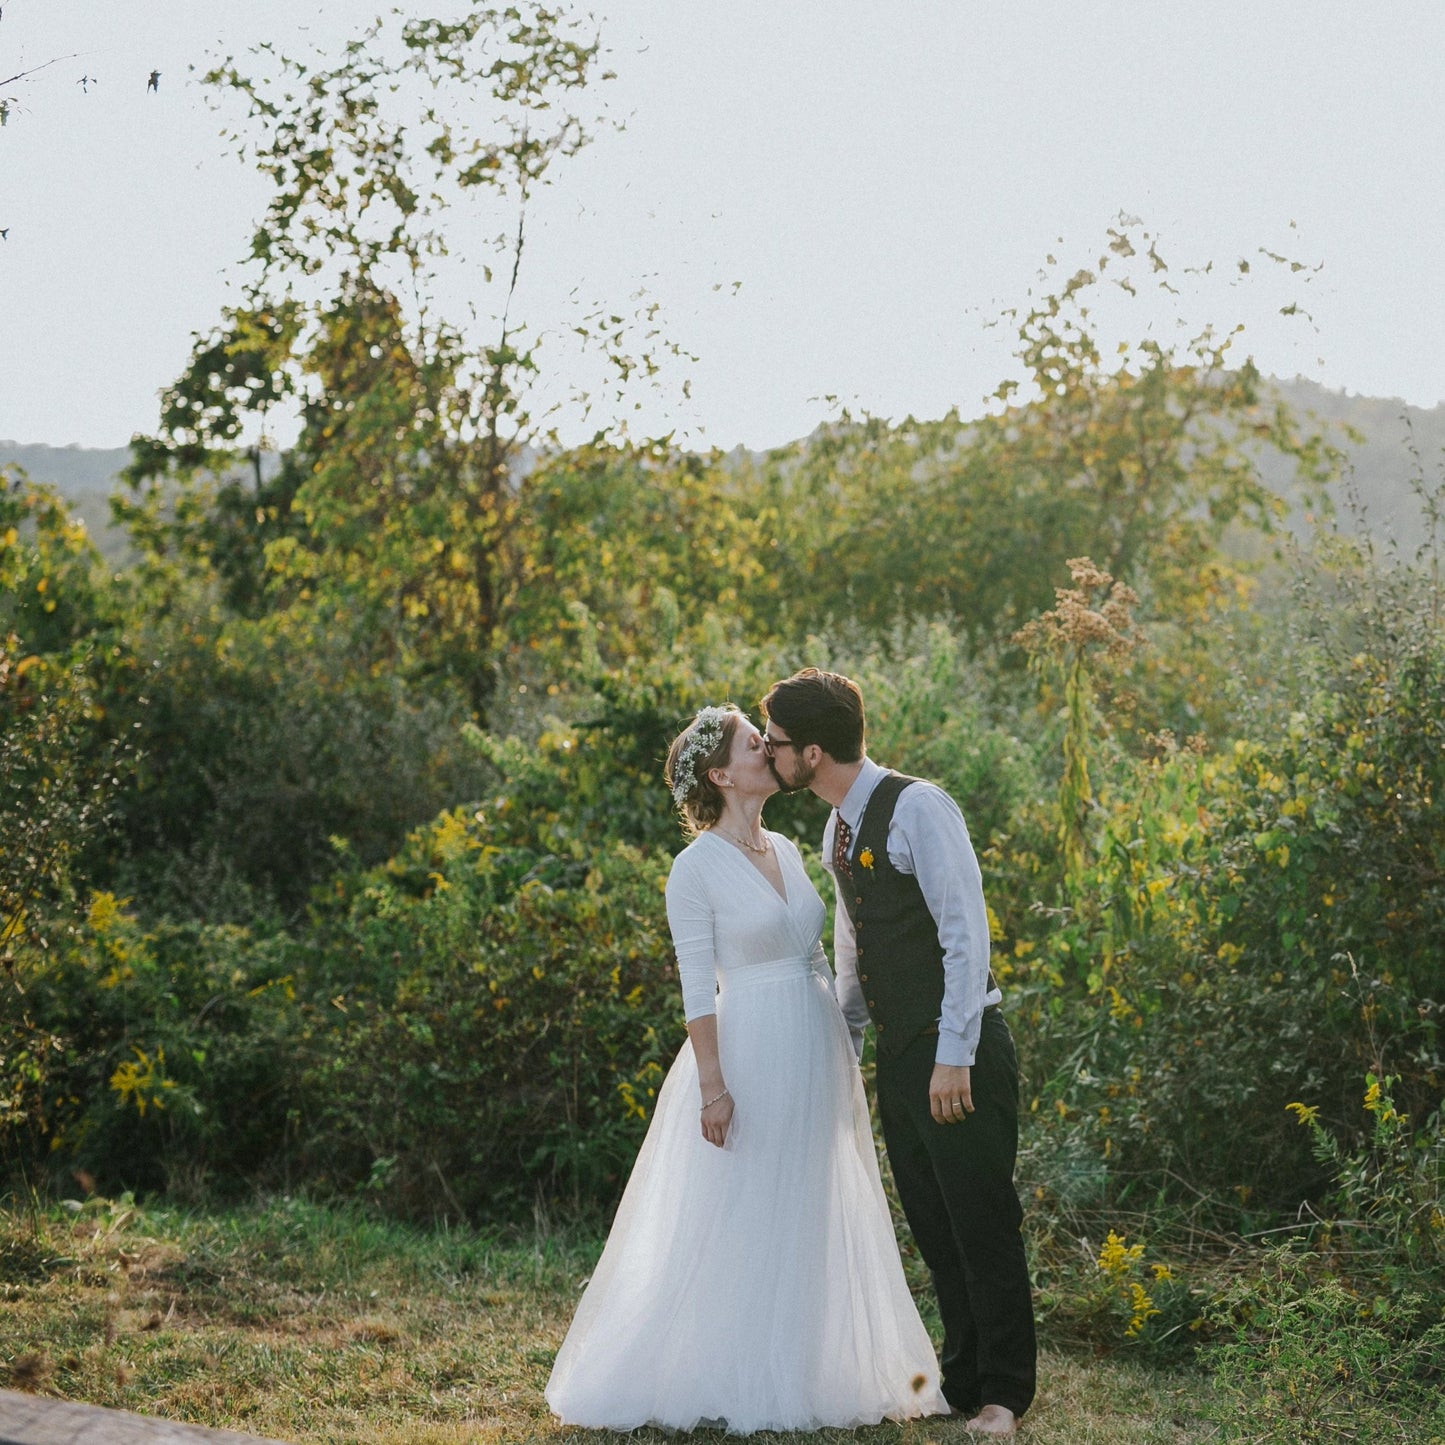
{"type": "Point", "coordinates": [865, 858]}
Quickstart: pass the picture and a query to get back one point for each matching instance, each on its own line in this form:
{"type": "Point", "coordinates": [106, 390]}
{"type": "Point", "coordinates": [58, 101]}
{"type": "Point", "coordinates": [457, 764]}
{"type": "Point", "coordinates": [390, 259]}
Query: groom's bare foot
{"type": "Point", "coordinates": [993, 1420]}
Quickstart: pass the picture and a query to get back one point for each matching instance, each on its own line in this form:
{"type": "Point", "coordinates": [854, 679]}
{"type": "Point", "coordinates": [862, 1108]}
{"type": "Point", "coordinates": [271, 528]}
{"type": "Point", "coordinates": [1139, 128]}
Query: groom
{"type": "Point", "coordinates": [911, 951]}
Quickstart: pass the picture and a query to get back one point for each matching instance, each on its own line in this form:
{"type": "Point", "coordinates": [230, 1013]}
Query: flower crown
{"type": "Point", "coordinates": [705, 733]}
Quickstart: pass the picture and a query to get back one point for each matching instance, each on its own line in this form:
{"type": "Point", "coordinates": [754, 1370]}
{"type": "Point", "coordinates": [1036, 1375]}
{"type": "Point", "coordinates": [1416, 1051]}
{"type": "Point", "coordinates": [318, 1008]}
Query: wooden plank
{"type": "Point", "coordinates": [35, 1420]}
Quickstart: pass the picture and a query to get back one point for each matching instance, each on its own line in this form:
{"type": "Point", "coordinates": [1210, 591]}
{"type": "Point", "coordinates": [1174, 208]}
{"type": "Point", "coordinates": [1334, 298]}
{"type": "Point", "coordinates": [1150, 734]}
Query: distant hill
{"type": "Point", "coordinates": [85, 476]}
{"type": "Point", "coordinates": [1381, 465]}
{"type": "Point", "coordinates": [1400, 444]}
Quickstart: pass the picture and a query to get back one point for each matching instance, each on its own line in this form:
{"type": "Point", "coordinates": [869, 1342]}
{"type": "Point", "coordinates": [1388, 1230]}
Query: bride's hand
{"type": "Point", "coordinates": [715, 1120]}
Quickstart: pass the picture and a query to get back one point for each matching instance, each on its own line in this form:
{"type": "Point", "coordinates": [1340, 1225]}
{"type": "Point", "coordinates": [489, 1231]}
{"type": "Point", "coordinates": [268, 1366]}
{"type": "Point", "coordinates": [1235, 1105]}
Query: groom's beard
{"type": "Point", "coordinates": [803, 775]}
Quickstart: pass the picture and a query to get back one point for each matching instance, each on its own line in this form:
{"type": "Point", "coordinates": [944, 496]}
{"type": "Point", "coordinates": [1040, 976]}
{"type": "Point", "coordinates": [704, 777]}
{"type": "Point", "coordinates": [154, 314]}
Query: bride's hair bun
{"type": "Point", "coordinates": [705, 743]}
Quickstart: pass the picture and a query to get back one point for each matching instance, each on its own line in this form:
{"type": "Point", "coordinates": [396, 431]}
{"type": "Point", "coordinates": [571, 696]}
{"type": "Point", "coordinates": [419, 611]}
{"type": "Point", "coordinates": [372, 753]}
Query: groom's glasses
{"type": "Point", "coordinates": [772, 744]}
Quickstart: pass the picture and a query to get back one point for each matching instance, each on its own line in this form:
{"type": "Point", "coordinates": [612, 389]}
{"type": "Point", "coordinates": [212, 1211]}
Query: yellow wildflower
{"type": "Point", "coordinates": [1115, 1257]}
{"type": "Point", "coordinates": [105, 911]}
{"type": "Point", "coordinates": [143, 1081]}
{"type": "Point", "coordinates": [1141, 1307]}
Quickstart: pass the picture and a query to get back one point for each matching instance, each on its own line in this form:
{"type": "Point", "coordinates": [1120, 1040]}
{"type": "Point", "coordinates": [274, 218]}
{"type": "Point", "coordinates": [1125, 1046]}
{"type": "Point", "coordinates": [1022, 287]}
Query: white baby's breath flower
{"type": "Point", "coordinates": [706, 733]}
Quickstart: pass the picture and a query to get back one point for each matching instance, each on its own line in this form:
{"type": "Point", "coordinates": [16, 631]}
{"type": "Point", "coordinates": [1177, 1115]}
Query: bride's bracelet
{"type": "Point", "coordinates": [726, 1094]}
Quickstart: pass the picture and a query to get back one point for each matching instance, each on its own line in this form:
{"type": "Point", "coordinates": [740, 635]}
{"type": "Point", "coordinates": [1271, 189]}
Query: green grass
{"type": "Point", "coordinates": [313, 1323]}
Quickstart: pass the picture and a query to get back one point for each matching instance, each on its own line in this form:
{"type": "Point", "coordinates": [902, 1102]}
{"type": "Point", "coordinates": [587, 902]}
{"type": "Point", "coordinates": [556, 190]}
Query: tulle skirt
{"type": "Point", "coordinates": [759, 1284]}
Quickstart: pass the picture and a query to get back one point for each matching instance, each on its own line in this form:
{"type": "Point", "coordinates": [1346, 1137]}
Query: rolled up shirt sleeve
{"type": "Point", "coordinates": [690, 918]}
{"type": "Point", "coordinates": [929, 839]}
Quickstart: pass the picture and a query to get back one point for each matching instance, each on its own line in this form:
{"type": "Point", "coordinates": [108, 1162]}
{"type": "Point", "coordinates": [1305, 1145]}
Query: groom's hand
{"type": "Point", "coordinates": [950, 1093]}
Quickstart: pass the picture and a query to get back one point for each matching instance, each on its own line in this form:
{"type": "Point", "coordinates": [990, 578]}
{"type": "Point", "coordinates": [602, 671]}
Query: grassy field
{"type": "Point", "coordinates": [316, 1324]}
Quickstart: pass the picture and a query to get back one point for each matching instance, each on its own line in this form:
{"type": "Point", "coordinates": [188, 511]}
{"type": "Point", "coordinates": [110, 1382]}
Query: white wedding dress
{"type": "Point", "coordinates": [758, 1284]}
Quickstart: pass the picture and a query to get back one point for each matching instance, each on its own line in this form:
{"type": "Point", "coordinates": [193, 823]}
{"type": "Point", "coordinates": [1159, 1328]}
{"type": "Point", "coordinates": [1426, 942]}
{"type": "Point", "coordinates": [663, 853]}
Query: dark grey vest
{"type": "Point", "coordinates": [900, 960]}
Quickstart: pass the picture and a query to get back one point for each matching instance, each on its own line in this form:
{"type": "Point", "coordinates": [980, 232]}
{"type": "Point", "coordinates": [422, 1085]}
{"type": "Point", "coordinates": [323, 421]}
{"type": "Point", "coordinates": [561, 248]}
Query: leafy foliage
{"type": "Point", "coordinates": [505, 1017]}
{"type": "Point", "coordinates": [1257, 925]}
{"type": "Point", "coordinates": [59, 771]}
{"type": "Point", "coordinates": [1389, 1191]}
{"type": "Point", "coordinates": [171, 1046]}
{"type": "Point", "coordinates": [396, 505]}
{"type": "Point", "coordinates": [1307, 1359]}
{"type": "Point", "coordinates": [1144, 462]}
{"type": "Point", "coordinates": [264, 741]}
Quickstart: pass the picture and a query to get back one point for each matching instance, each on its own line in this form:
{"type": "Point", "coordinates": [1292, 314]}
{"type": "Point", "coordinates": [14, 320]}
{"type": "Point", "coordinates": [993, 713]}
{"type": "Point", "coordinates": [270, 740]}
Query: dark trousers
{"type": "Point", "coordinates": [955, 1182]}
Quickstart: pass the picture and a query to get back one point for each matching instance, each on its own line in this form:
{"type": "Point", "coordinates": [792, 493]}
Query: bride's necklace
{"type": "Point", "coordinates": [762, 848]}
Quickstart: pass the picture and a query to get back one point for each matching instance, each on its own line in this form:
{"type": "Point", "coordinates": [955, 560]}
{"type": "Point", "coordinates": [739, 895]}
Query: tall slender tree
{"type": "Point", "coordinates": [392, 512]}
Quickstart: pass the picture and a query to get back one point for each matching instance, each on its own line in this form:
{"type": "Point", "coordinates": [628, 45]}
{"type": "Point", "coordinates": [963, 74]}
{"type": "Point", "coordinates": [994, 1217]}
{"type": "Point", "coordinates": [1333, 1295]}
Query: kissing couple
{"type": "Point", "coordinates": [751, 1279]}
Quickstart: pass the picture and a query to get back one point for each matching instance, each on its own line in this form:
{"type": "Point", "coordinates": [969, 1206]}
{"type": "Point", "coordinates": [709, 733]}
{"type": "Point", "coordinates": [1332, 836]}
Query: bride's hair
{"type": "Point", "coordinates": [698, 798]}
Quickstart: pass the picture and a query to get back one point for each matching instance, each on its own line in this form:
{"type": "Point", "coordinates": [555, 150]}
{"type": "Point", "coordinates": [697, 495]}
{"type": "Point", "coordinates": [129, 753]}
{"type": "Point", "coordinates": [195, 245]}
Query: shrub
{"type": "Point", "coordinates": [262, 742]}
{"type": "Point", "coordinates": [1305, 1360]}
{"type": "Point", "coordinates": [59, 774]}
{"type": "Point", "coordinates": [490, 1022]}
{"type": "Point", "coordinates": [1112, 1296]}
{"type": "Point", "coordinates": [1253, 926]}
{"type": "Point", "coordinates": [463, 1029]}
{"type": "Point", "coordinates": [1387, 1208]}
{"type": "Point", "coordinates": [175, 1055]}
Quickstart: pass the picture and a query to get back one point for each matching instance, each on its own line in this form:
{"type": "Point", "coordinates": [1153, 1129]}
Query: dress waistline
{"type": "Point", "coordinates": [774, 970]}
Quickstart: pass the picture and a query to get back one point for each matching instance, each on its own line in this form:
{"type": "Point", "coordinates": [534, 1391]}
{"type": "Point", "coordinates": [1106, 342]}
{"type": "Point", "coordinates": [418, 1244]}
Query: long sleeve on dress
{"type": "Point", "coordinates": [690, 917]}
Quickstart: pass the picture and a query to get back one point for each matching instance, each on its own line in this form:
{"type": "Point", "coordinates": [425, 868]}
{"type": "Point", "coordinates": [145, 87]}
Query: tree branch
{"type": "Point", "coordinates": [36, 69]}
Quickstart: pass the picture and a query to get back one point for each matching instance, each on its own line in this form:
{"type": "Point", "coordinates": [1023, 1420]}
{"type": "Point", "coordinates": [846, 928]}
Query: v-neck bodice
{"type": "Point", "coordinates": [753, 868]}
{"type": "Point", "coordinates": [722, 928]}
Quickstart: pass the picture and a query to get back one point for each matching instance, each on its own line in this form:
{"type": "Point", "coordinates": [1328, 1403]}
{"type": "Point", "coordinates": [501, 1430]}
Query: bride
{"type": "Point", "coordinates": [751, 1277]}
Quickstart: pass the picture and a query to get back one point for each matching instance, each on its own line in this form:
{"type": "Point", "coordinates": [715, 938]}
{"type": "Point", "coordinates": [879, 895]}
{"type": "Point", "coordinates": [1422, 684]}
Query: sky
{"type": "Point", "coordinates": [832, 201]}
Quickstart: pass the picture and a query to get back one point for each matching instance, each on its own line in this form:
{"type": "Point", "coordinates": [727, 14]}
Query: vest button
{"type": "Point", "coordinates": [858, 925]}
{"type": "Point", "coordinates": [862, 978]}
{"type": "Point", "coordinates": [879, 1027]}
{"type": "Point", "coordinates": [858, 898]}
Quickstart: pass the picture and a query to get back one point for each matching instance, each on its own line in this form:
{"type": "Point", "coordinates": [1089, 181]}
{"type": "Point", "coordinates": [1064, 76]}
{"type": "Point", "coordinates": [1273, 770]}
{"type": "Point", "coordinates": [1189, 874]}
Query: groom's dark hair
{"type": "Point", "coordinates": [825, 708]}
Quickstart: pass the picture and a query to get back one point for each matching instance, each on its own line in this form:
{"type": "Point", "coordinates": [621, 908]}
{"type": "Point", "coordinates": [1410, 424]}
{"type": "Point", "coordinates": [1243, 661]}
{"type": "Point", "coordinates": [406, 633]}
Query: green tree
{"type": "Point", "coordinates": [59, 763]}
{"type": "Point", "coordinates": [397, 501]}
{"type": "Point", "coordinates": [622, 550]}
{"type": "Point", "coordinates": [1145, 461]}
{"type": "Point", "coordinates": [322, 621]}
{"type": "Point", "coordinates": [1252, 926]}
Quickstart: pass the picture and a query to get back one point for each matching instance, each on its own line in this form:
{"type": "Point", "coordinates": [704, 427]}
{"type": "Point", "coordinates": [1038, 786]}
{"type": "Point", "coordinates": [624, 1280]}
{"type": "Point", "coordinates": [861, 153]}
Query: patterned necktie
{"type": "Point", "coordinates": [842, 842]}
